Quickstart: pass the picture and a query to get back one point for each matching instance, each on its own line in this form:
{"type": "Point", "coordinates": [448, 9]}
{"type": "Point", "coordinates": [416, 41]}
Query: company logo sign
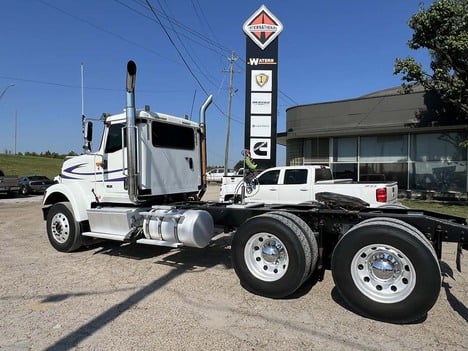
{"type": "Point", "coordinates": [262, 27]}
{"type": "Point", "coordinates": [260, 103]}
{"type": "Point", "coordinates": [255, 61]}
{"type": "Point", "coordinates": [260, 148]}
{"type": "Point", "coordinates": [261, 80]}
{"type": "Point", "coordinates": [260, 126]}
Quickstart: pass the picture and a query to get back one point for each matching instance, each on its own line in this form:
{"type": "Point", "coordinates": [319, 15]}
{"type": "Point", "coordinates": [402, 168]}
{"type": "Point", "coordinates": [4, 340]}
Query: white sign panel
{"type": "Point", "coordinates": [260, 126]}
{"type": "Point", "coordinates": [260, 148]}
{"type": "Point", "coordinates": [260, 103]}
{"type": "Point", "coordinates": [261, 80]}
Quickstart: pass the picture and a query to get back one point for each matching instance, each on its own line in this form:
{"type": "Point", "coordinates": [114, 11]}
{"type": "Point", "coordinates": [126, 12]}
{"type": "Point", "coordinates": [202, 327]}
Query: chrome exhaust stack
{"type": "Point", "coordinates": [203, 156]}
{"type": "Point", "coordinates": [131, 133]}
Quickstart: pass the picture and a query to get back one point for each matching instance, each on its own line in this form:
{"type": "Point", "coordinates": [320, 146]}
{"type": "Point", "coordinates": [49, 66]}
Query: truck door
{"type": "Point", "coordinates": [113, 177]}
{"type": "Point", "coordinates": [295, 188]}
{"type": "Point", "coordinates": [267, 187]}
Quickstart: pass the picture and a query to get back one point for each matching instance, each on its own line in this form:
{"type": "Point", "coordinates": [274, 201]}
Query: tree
{"type": "Point", "coordinates": [443, 30]}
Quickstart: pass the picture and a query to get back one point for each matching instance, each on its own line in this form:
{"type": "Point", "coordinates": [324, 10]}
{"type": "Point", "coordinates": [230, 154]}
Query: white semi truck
{"type": "Point", "coordinates": [145, 184]}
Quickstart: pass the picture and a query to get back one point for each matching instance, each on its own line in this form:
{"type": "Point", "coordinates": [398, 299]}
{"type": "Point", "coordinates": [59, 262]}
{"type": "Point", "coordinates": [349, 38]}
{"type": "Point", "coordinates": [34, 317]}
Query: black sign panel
{"type": "Point", "coordinates": [261, 86]}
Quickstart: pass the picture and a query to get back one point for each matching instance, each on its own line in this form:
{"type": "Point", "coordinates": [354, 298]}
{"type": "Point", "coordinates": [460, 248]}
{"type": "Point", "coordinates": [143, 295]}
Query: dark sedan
{"type": "Point", "coordinates": [31, 184]}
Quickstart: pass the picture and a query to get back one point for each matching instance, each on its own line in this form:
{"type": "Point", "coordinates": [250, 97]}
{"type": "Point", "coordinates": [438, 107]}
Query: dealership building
{"type": "Point", "coordinates": [384, 136]}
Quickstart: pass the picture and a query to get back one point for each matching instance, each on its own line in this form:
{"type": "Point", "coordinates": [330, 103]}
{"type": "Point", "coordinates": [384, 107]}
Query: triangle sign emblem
{"type": "Point", "coordinates": [262, 27]}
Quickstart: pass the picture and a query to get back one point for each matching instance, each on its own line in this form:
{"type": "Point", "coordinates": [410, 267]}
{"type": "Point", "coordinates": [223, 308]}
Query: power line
{"type": "Point", "coordinates": [62, 85]}
{"type": "Point", "coordinates": [188, 52]}
{"type": "Point", "coordinates": [104, 30]}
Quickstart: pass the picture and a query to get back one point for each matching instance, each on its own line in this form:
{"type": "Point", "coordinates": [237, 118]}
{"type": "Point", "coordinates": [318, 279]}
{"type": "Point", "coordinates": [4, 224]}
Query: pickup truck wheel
{"type": "Point", "coordinates": [271, 255]}
{"type": "Point", "coordinates": [387, 271]}
{"type": "Point", "coordinates": [62, 230]}
{"type": "Point", "coordinates": [24, 191]}
{"type": "Point", "coordinates": [309, 234]}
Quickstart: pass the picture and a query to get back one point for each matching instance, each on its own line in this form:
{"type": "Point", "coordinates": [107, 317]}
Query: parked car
{"type": "Point", "coordinates": [30, 184]}
{"type": "Point", "coordinates": [217, 174]}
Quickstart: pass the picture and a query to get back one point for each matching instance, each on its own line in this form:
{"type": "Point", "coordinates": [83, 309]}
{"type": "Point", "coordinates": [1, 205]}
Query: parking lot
{"type": "Point", "coordinates": [129, 297]}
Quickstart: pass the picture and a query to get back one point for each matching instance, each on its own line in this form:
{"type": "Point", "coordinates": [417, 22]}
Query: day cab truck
{"type": "Point", "coordinates": [8, 184]}
{"type": "Point", "coordinates": [145, 185]}
{"type": "Point", "coordinates": [299, 184]}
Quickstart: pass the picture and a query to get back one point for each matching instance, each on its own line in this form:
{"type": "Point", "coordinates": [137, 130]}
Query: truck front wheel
{"type": "Point", "coordinates": [271, 255]}
{"type": "Point", "coordinates": [386, 270]}
{"type": "Point", "coordinates": [62, 230]}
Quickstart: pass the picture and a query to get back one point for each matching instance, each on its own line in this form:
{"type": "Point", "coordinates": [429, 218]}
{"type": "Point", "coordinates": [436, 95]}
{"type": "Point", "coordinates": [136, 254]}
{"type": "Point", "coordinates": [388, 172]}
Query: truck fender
{"type": "Point", "coordinates": [79, 199]}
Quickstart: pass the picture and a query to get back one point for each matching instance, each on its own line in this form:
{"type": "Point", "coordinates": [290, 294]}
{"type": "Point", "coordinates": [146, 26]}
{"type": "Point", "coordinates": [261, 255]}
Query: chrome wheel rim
{"type": "Point", "coordinates": [266, 257]}
{"type": "Point", "coordinates": [60, 228]}
{"type": "Point", "coordinates": [383, 273]}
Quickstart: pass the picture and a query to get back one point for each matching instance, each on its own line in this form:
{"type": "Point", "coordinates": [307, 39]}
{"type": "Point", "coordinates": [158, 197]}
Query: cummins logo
{"type": "Point", "coordinates": [260, 148]}
{"type": "Point", "coordinates": [262, 27]}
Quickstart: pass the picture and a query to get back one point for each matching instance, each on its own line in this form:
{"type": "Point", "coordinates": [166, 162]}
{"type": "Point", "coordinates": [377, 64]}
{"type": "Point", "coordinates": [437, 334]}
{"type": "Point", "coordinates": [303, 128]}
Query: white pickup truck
{"type": "Point", "coordinates": [298, 184]}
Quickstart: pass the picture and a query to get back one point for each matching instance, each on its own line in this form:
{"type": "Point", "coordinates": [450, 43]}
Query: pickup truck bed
{"type": "Point", "coordinates": [8, 184]}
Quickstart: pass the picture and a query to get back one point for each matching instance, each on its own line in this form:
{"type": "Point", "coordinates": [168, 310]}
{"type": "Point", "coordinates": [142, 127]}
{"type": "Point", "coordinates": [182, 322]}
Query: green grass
{"type": "Point", "coordinates": [17, 165]}
{"type": "Point", "coordinates": [454, 209]}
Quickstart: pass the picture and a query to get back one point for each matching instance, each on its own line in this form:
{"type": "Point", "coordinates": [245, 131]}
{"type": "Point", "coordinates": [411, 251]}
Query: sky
{"type": "Point", "coordinates": [328, 50]}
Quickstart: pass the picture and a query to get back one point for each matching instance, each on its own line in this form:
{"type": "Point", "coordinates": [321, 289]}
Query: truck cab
{"type": "Point", "coordinates": [168, 160]}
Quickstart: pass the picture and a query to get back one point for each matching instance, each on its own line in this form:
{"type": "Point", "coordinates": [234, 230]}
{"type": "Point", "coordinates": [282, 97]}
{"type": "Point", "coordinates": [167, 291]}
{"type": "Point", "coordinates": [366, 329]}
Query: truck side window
{"type": "Point", "coordinates": [270, 177]}
{"type": "Point", "coordinates": [323, 174]}
{"type": "Point", "coordinates": [114, 138]}
{"type": "Point", "coordinates": [295, 176]}
{"type": "Point", "coordinates": [172, 136]}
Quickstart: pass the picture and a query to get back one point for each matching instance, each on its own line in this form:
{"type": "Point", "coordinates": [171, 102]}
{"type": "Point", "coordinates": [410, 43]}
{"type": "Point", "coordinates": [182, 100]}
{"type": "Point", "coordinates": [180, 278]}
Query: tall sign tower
{"type": "Point", "coordinates": [261, 86]}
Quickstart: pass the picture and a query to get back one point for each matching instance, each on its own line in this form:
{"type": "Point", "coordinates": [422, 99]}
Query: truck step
{"type": "Point", "coordinates": [104, 236]}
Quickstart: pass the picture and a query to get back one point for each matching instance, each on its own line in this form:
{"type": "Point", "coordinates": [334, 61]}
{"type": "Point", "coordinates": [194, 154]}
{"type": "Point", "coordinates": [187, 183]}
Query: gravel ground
{"type": "Point", "coordinates": [129, 297]}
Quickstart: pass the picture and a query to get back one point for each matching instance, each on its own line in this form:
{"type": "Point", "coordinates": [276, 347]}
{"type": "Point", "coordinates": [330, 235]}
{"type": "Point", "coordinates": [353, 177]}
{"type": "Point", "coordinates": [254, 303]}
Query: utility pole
{"type": "Point", "coordinates": [16, 128]}
{"type": "Point", "coordinates": [232, 59]}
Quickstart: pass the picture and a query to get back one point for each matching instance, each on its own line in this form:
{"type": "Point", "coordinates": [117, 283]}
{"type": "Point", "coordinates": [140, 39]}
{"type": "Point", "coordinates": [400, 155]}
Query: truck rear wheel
{"type": "Point", "coordinates": [63, 231]}
{"type": "Point", "coordinates": [386, 270]}
{"type": "Point", "coordinates": [309, 234]}
{"type": "Point", "coordinates": [271, 255]}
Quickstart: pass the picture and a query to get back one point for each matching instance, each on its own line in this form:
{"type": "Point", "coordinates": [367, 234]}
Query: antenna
{"type": "Point", "coordinates": [84, 127]}
{"type": "Point", "coordinates": [82, 90]}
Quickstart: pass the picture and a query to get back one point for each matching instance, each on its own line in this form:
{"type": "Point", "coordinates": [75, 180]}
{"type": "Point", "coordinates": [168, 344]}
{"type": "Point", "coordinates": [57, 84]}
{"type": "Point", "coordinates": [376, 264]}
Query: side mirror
{"type": "Point", "coordinates": [88, 131]}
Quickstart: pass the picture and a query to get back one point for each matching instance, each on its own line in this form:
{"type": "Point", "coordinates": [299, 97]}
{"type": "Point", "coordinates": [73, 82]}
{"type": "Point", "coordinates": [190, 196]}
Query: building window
{"type": "Point", "coordinates": [438, 162]}
{"type": "Point", "coordinates": [384, 172]}
{"type": "Point", "coordinates": [294, 151]}
{"type": "Point", "coordinates": [345, 149]}
{"type": "Point", "coordinates": [316, 150]}
{"type": "Point", "coordinates": [384, 148]}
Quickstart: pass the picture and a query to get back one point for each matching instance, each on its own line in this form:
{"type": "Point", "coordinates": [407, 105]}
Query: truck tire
{"type": "Point", "coordinates": [409, 227]}
{"type": "Point", "coordinates": [309, 234]}
{"type": "Point", "coordinates": [387, 270]}
{"type": "Point", "coordinates": [24, 191]}
{"type": "Point", "coordinates": [63, 231]}
{"type": "Point", "coordinates": [271, 255]}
